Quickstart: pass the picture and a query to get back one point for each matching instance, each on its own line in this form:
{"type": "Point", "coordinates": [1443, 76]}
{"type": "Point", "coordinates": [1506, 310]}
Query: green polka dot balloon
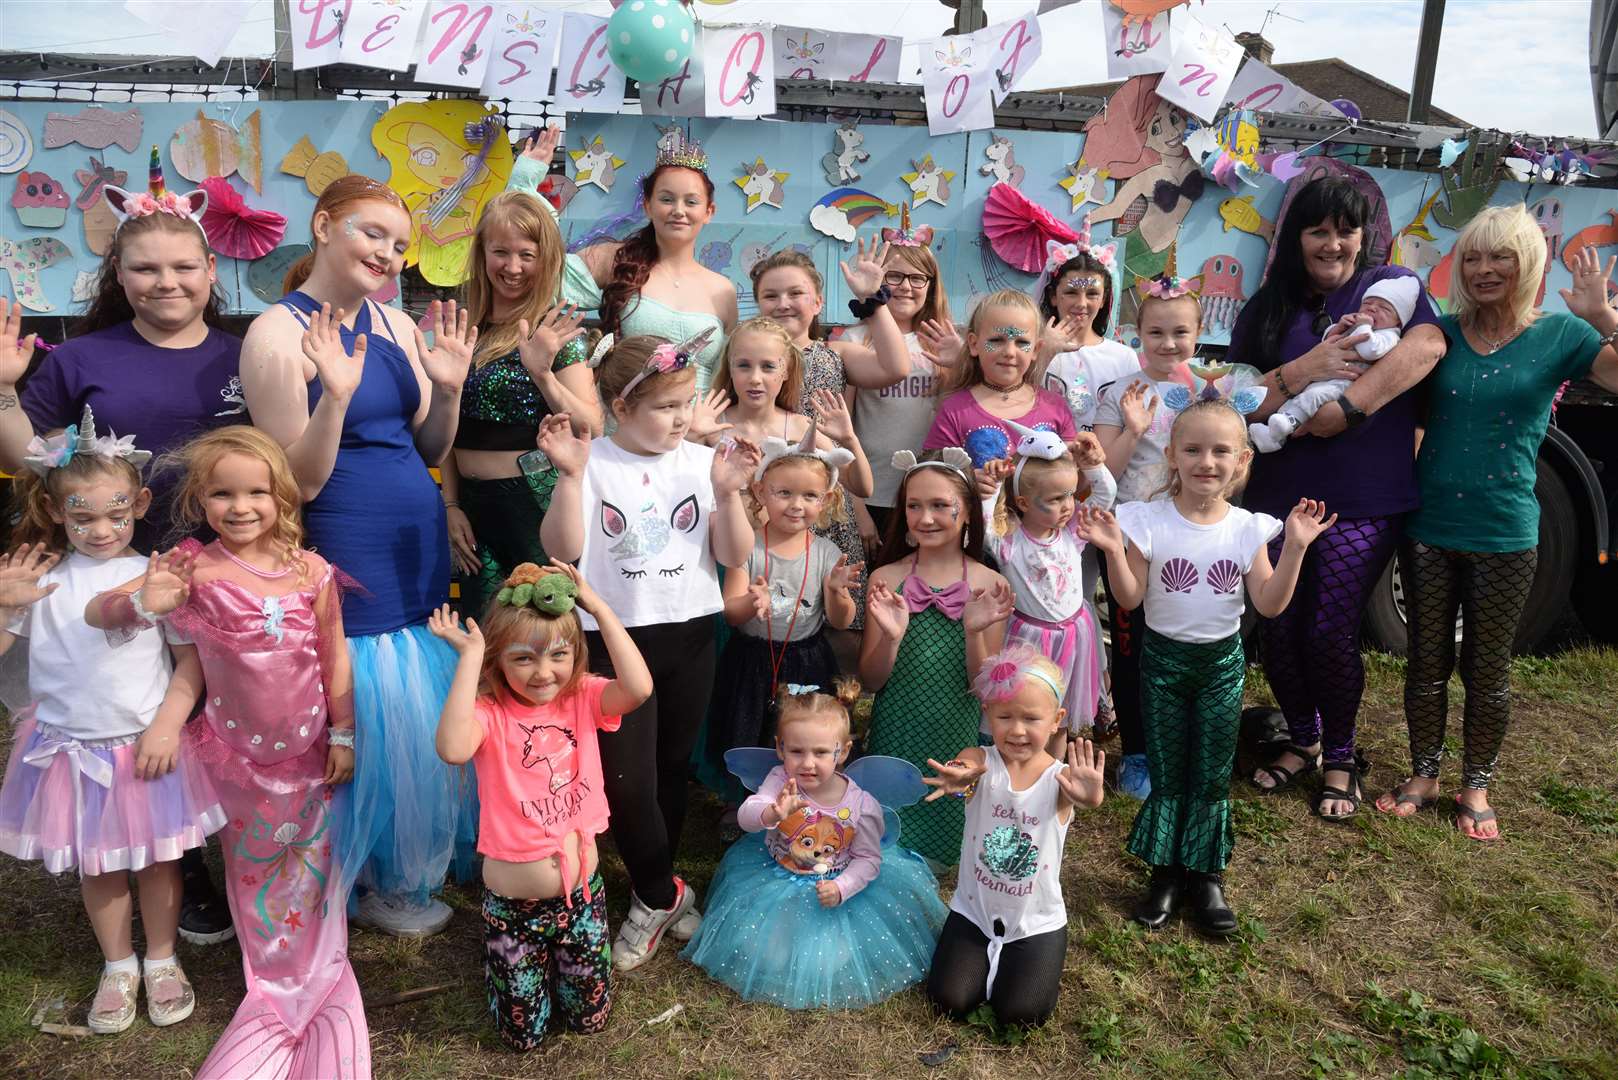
{"type": "Point", "coordinates": [650, 39]}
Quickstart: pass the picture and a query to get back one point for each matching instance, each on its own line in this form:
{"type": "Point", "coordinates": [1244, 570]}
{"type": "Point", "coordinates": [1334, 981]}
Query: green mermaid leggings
{"type": "Point", "coordinates": [1191, 709]}
{"type": "Point", "coordinates": [505, 515]}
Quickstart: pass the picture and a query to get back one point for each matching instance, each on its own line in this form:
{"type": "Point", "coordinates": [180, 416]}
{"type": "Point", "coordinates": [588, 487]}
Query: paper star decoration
{"type": "Point", "coordinates": [929, 182]}
{"type": "Point", "coordinates": [1082, 185]}
{"type": "Point", "coordinates": [595, 164]}
{"type": "Point", "coordinates": [762, 185]}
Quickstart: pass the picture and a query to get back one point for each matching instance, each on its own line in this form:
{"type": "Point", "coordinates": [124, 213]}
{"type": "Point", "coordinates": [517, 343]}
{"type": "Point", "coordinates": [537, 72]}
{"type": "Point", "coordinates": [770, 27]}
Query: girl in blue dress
{"type": "Point", "coordinates": [364, 407]}
{"type": "Point", "coordinates": [818, 905]}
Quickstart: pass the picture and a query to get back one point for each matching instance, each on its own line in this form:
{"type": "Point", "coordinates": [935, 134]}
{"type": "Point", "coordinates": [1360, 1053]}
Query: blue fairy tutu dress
{"type": "Point", "coordinates": [765, 933]}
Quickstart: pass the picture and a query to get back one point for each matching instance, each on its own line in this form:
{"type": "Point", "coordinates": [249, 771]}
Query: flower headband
{"type": "Point", "coordinates": [56, 451]}
{"type": "Point", "coordinates": [668, 357]}
{"type": "Point", "coordinates": [904, 235]}
{"type": "Point", "coordinates": [1058, 254]}
{"type": "Point", "coordinates": [1002, 673]}
{"type": "Point", "coordinates": [528, 586]}
{"type": "Point", "coordinates": [776, 449]}
{"type": "Point", "coordinates": [950, 457]}
{"type": "Point", "coordinates": [1034, 443]}
{"type": "Point", "coordinates": [156, 199]}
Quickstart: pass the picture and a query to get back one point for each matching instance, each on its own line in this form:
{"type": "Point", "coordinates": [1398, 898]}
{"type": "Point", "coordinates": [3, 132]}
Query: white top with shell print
{"type": "Point", "coordinates": [1011, 858]}
{"type": "Point", "coordinates": [646, 550]}
{"type": "Point", "coordinates": [1195, 573]}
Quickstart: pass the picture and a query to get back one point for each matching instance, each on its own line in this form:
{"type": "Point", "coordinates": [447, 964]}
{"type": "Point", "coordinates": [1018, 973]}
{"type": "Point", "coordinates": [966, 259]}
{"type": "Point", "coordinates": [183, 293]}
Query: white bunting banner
{"type": "Point", "coordinates": [522, 54]}
{"type": "Point", "coordinates": [802, 53]}
{"type": "Point", "coordinates": [681, 94]}
{"type": "Point", "coordinates": [1140, 48]}
{"type": "Point", "coordinates": [586, 77]}
{"type": "Point", "coordinates": [738, 70]}
{"type": "Point", "coordinates": [1259, 87]}
{"type": "Point", "coordinates": [382, 34]}
{"type": "Point", "coordinates": [455, 45]}
{"type": "Point", "coordinates": [957, 78]}
{"type": "Point", "coordinates": [317, 31]}
{"type": "Point", "coordinates": [1016, 46]}
{"type": "Point", "coordinates": [199, 28]}
{"type": "Point", "coordinates": [1201, 67]}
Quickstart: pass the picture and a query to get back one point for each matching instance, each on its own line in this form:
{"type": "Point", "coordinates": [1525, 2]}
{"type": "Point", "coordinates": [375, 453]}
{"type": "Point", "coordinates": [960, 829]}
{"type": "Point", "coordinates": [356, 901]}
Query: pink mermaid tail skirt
{"type": "Point", "coordinates": [1074, 647]}
{"type": "Point", "coordinates": [302, 1017]}
{"type": "Point", "coordinates": [77, 803]}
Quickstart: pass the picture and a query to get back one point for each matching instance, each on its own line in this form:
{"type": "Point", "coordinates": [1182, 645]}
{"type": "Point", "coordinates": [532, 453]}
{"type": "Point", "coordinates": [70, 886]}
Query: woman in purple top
{"type": "Point", "coordinates": [1358, 454]}
{"type": "Point", "coordinates": [151, 361]}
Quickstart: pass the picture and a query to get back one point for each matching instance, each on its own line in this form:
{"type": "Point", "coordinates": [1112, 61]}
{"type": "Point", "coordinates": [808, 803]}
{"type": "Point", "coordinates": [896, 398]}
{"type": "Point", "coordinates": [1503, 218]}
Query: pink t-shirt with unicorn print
{"type": "Point", "coordinates": [539, 774]}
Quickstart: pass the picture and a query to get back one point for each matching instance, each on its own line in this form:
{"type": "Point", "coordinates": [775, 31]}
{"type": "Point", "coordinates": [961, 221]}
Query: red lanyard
{"type": "Point", "coordinates": [769, 627]}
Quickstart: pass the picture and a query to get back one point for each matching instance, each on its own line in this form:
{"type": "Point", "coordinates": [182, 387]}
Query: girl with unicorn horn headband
{"type": "Point", "coordinates": [794, 584]}
{"type": "Point", "coordinates": [151, 357]}
{"type": "Point", "coordinates": [1030, 533]}
{"type": "Point", "coordinates": [1079, 296]}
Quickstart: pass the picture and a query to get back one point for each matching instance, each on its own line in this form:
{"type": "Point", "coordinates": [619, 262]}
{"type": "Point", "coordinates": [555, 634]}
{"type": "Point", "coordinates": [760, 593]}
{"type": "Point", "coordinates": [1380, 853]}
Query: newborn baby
{"type": "Point", "coordinates": [1374, 330]}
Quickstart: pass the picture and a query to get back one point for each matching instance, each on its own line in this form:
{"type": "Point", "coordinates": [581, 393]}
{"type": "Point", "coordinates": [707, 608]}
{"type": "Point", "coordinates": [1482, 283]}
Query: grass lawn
{"type": "Point", "coordinates": [1373, 949]}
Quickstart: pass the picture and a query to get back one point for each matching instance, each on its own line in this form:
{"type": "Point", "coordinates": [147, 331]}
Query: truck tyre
{"type": "Point", "coordinates": [1547, 606]}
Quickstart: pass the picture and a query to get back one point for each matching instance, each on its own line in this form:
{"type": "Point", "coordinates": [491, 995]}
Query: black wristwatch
{"type": "Point", "coordinates": [1353, 415]}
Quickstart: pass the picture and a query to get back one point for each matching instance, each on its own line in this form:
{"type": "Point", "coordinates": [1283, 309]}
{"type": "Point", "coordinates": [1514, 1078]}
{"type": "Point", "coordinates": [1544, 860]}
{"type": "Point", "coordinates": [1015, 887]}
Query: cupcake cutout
{"type": "Point", "coordinates": [40, 201]}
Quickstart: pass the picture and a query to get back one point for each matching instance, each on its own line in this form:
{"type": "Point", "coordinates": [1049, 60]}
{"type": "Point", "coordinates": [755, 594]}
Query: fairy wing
{"type": "Point", "coordinates": [890, 827]}
{"type": "Point", "coordinates": [751, 764]}
{"type": "Point", "coordinates": [1243, 386]}
{"type": "Point", "coordinates": [890, 781]}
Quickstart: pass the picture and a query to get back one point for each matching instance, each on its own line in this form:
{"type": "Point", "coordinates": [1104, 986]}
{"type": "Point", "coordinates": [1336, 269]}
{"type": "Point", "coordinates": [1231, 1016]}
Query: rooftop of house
{"type": "Point", "coordinates": [1328, 79]}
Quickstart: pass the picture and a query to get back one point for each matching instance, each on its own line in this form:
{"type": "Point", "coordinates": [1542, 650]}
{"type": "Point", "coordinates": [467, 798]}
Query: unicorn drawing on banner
{"type": "Point", "coordinates": [839, 165]}
{"type": "Point", "coordinates": [1002, 162]}
{"type": "Point", "coordinates": [803, 56]}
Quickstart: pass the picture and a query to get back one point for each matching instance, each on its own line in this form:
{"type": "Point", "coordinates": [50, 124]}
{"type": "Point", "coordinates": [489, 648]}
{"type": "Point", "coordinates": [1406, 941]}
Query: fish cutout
{"type": "Point", "coordinates": [1451, 150]}
{"type": "Point", "coordinates": [95, 127]}
{"type": "Point", "coordinates": [264, 276]}
{"type": "Point", "coordinates": [1239, 213]}
{"type": "Point", "coordinates": [23, 260]}
{"type": "Point", "coordinates": [319, 170]}
{"type": "Point", "coordinates": [206, 147]}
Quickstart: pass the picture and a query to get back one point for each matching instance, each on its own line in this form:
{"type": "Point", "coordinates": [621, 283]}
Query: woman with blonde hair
{"type": "Point", "coordinates": [529, 363]}
{"type": "Point", "coordinates": [1472, 544]}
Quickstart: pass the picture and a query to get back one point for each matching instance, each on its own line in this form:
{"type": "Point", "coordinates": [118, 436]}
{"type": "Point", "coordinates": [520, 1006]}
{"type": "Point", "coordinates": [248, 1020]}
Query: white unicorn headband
{"type": "Point", "coordinates": [1058, 254]}
{"type": "Point", "coordinates": [775, 449]}
{"type": "Point", "coordinates": [56, 451]}
{"type": "Point", "coordinates": [950, 457]}
{"type": "Point", "coordinates": [1033, 443]}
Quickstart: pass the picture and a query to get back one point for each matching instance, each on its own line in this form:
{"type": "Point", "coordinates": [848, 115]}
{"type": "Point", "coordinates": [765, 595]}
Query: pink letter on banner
{"type": "Point", "coordinates": [522, 53]}
{"type": "Point", "coordinates": [1017, 51]}
{"type": "Point", "coordinates": [739, 72]}
{"type": "Point", "coordinates": [456, 51]}
{"type": "Point", "coordinates": [585, 78]}
{"type": "Point", "coordinates": [1201, 68]}
{"type": "Point", "coordinates": [317, 29]}
{"type": "Point", "coordinates": [382, 35]}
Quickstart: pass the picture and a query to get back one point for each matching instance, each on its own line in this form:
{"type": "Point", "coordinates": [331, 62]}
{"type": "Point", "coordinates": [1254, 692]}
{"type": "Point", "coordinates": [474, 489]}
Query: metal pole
{"type": "Point", "coordinates": [969, 16]}
{"type": "Point", "coordinates": [1421, 85]}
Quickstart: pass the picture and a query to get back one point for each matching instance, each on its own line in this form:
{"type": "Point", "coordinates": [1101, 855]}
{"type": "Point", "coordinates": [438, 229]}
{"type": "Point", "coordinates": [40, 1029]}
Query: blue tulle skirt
{"type": "Point", "coordinates": [409, 814]}
{"type": "Point", "coordinates": [765, 935]}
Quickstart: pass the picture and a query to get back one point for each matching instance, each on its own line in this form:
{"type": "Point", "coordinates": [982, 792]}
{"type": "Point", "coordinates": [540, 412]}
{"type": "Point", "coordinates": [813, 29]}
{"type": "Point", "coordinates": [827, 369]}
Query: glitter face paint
{"type": "Point", "coordinates": [76, 501]}
{"type": "Point", "coordinates": [1012, 332]}
{"type": "Point", "coordinates": [120, 499]}
{"type": "Point", "coordinates": [1080, 284]}
{"type": "Point", "coordinates": [350, 230]}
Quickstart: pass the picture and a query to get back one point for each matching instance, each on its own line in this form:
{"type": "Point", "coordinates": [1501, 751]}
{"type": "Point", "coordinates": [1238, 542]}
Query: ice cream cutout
{"type": "Point", "coordinates": [40, 201]}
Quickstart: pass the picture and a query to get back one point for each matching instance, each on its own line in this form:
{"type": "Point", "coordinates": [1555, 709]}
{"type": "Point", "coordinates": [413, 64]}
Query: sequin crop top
{"type": "Point", "coordinates": [501, 408]}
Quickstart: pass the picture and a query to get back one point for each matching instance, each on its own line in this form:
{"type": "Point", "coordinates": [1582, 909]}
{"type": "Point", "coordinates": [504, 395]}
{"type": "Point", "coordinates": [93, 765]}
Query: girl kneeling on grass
{"type": "Point", "coordinates": [525, 711]}
{"type": "Point", "coordinates": [1006, 936]}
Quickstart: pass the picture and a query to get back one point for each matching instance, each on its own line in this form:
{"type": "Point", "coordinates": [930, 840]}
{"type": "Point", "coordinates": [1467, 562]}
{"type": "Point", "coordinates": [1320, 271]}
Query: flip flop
{"type": "Point", "coordinates": [1407, 798]}
{"type": "Point", "coordinates": [1477, 817]}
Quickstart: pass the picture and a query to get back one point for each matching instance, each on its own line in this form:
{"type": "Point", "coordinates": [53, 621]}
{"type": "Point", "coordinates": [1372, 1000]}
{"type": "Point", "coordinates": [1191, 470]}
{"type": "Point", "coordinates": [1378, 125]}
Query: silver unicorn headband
{"type": "Point", "coordinates": [950, 457]}
{"type": "Point", "coordinates": [56, 451]}
{"type": "Point", "coordinates": [775, 449]}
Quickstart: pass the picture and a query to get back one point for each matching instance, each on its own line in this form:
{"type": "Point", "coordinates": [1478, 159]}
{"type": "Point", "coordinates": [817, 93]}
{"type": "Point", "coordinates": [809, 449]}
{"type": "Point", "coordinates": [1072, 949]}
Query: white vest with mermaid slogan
{"type": "Point", "coordinates": [1011, 859]}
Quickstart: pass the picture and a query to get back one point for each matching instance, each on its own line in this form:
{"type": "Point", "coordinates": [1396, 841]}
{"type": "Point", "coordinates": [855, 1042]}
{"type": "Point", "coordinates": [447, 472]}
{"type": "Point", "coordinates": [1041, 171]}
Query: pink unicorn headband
{"type": "Point", "coordinates": [156, 199]}
{"type": "Point", "coordinates": [1169, 285]}
{"type": "Point", "coordinates": [668, 357]}
{"type": "Point", "coordinates": [904, 235]}
{"type": "Point", "coordinates": [1003, 673]}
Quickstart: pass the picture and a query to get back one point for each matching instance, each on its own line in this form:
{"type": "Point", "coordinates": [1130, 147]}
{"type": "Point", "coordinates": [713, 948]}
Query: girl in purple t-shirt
{"type": "Point", "coordinates": [997, 385]}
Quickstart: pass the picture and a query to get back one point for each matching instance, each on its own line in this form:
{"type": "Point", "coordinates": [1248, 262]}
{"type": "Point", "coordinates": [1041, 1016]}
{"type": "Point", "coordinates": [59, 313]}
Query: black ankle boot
{"type": "Point", "coordinates": [1205, 900]}
{"type": "Point", "coordinates": [1162, 897]}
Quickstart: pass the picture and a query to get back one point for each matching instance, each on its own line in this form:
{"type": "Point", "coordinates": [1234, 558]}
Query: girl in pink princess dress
{"type": "Point", "coordinates": [259, 621]}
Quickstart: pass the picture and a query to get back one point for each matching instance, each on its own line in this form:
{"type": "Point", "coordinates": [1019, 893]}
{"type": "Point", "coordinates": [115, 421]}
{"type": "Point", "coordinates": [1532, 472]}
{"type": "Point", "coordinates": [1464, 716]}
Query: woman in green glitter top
{"type": "Point", "coordinates": [529, 364]}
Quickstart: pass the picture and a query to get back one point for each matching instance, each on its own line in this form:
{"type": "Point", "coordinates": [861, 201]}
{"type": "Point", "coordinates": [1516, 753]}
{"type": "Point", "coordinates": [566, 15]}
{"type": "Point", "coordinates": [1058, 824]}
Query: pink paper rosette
{"type": "Point", "coordinates": [236, 229]}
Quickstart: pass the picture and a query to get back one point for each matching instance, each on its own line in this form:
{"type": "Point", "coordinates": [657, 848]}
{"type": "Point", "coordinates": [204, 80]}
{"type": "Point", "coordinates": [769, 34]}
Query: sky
{"type": "Point", "coordinates": [1503, 63]}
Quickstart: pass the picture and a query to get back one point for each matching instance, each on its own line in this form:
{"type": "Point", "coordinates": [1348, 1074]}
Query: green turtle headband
{"type": "Point", "coordinates": [549, 594]}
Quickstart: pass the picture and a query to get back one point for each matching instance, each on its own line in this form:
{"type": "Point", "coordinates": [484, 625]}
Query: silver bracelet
{"type": "Point", "coordinates": [1610, 341]}
{"type": "Point", "coordinates": [340, 737]}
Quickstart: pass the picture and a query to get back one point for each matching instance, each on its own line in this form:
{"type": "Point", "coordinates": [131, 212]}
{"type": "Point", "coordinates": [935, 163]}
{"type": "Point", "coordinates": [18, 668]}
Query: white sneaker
{"type": "Point", "coordinates": [401, 918]}
{"type": "Point", "coordinates": [686, 926]}
{"type": "Point", "coordinates": [642, 930]}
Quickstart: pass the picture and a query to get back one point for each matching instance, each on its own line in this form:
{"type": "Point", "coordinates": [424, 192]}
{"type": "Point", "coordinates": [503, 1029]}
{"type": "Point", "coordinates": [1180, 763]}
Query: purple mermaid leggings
{"type": "Point", "coordinates": [1312, 649]}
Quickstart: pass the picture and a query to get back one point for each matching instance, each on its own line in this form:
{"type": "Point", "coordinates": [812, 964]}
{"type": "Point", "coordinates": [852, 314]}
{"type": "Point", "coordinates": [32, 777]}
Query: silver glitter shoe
{"type": "Point", "coordinates": [168, 995]}
{"type": "Point", "coordinates": [113, 1009]}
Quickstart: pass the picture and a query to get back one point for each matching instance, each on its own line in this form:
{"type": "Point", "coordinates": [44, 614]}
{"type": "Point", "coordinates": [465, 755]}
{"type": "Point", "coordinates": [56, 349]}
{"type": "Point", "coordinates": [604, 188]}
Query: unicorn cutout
{"type": "Point", "coordinates": [1002, 162]}
{"type": "Point", "coordinates": [762, 185]}
{"type": "Point", "coordinates": [1082, 186]}
{"type": "Point", "coordinates": [595, 164]}
{"type": "Point", "coordinates": [929, 182]}
{"type": "Point", "coordinates": [839, 164]}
